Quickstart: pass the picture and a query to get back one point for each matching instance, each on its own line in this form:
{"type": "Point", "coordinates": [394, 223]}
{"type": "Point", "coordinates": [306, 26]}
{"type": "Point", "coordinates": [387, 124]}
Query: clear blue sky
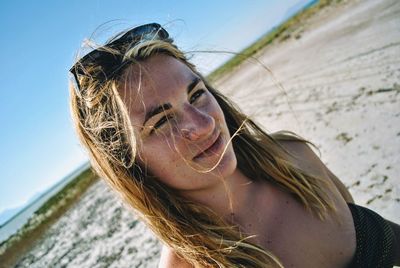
{"type": "Point", "coordinates": [39, 41]}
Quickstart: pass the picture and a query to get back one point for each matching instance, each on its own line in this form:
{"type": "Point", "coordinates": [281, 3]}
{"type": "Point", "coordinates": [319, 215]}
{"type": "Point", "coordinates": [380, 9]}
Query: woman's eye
{"type": "Point", "coordinates": [160, 123]}
{"type": "Point", "coordinates": [196, 95]}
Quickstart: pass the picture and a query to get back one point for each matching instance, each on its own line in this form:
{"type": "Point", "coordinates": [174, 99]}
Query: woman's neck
{"type": "Point", "coordinates": [234, 197]}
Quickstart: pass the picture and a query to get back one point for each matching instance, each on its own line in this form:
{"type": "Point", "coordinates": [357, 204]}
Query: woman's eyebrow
{"type": "Point", "coordinates": [193, 84]}
{"type": "Point", "coordinates": [156, 110]}
{"type": "Point", "coordinates": [163, 107]}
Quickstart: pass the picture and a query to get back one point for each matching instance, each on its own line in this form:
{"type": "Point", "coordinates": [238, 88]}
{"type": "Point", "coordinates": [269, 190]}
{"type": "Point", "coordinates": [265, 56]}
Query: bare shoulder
{"type": "Point", "coordinates": [170, 259]}
{"type": "Point", "coordinates": [306, 159]}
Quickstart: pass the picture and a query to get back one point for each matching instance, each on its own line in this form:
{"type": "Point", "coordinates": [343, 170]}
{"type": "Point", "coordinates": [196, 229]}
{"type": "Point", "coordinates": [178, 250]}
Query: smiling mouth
{"type": "Point", "coordinates": [212, 149]}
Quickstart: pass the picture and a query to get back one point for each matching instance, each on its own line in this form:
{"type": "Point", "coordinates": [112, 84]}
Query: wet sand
{"type": "Point", "coordinates": [340, 72]}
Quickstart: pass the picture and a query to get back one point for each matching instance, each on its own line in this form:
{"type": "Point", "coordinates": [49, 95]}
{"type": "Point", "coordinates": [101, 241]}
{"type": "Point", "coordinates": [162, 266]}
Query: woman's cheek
{"type": "Point", "coordinates": [169, 148]}
{"type": "Point", "coordinates": [216, 112]}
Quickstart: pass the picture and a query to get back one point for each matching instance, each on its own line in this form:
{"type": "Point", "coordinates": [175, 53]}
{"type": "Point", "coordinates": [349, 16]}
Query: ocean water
{"type": "Point", "coordinates": [11, 226]}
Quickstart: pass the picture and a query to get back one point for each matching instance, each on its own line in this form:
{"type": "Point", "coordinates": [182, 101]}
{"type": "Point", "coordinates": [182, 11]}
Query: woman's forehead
{"type": "Point", "coordinates": [153, 82]}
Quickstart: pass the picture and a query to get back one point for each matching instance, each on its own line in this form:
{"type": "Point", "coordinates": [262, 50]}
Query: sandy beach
{"type": "Point", "coordinates": [340, 89]}
{"type": "Point", "coordinates": [336, 82]}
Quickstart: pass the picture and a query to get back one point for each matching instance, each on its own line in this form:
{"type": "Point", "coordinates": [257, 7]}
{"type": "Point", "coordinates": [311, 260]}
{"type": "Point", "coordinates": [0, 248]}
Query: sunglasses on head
{"type": "Point", "coordinates": [109, 63]}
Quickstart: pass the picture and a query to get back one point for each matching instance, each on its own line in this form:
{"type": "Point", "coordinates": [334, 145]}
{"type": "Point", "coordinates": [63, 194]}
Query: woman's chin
{"type": "Point", "coordinates": [226, 164]}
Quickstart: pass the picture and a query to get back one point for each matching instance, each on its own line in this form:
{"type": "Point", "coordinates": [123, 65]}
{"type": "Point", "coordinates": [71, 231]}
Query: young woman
{"type": "Point", "coordinates": [210, 183]}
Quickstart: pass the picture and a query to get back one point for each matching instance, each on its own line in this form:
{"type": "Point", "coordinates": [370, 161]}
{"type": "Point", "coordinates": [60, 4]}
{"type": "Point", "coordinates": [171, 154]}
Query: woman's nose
{"type": "Point", "coordinates": [198, 124]}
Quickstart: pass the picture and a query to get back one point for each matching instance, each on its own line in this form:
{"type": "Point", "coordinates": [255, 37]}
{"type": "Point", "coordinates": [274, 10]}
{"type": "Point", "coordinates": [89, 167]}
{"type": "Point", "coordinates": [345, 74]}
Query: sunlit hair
{"type": "Point", "coordinates": [193, 231]}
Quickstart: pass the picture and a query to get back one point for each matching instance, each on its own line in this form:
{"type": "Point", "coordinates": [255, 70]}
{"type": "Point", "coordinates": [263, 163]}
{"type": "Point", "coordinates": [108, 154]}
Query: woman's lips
{"type": "Point", "coordinates": [212, 150]}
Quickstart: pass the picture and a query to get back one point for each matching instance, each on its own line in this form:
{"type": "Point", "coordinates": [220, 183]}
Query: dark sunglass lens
{"type": "Point", "coordinates": [104, 63]}
{"type": "Point", "coordinates": [107, 62]}
{"type": "Point", "coordinates": [147, 31]}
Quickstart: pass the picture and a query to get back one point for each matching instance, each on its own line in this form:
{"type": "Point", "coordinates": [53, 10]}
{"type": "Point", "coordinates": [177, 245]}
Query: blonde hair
{"type": "Point", "coordinates": [193, 231]}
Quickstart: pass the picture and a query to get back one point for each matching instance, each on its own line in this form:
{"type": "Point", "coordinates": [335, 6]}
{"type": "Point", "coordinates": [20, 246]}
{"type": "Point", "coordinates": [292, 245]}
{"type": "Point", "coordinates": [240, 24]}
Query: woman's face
{"type": "Point", "coordinates": [181, 128]}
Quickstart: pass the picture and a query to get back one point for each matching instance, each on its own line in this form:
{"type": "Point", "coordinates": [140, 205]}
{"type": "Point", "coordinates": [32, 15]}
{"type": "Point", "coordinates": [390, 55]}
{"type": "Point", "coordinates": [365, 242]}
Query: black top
{"type": "Point", "coordinates": [375, 239]}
